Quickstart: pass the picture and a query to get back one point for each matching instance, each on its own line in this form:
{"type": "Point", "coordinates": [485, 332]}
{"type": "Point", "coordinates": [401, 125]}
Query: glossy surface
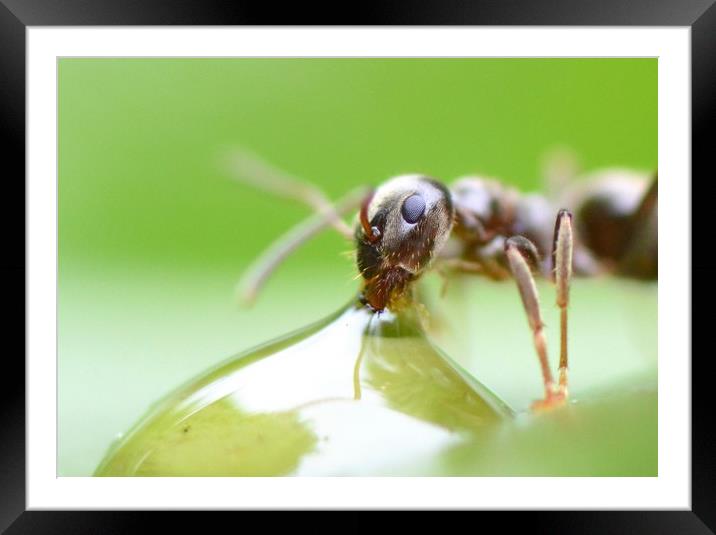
{"type": "Point", "coordinates": [356, 394]}
{"type": "Point", "coordinates": [294, 407]}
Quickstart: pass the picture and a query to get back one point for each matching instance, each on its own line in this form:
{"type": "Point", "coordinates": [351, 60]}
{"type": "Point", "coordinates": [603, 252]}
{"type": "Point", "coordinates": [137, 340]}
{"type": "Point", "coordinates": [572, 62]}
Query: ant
{"type": "Point", "coordinates": [412, 223]}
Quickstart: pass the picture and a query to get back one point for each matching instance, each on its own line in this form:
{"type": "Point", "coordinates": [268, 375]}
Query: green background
{"type": "Point", "coordinates": [153, 234]}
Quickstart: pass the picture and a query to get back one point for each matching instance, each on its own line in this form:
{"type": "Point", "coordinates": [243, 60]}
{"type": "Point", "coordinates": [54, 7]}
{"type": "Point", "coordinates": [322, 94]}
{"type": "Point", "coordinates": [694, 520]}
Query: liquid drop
{"type": "Point", "coordinates": [358, 393]}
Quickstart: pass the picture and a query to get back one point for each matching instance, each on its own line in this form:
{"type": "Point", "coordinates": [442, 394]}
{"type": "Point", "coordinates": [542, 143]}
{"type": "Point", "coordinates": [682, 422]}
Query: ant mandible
{"type": "Point", "coordinates": [412, 223]}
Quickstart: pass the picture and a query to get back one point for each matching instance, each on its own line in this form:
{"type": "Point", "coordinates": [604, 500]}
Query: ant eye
{"type": "Point", "coordinates": [413, 208]}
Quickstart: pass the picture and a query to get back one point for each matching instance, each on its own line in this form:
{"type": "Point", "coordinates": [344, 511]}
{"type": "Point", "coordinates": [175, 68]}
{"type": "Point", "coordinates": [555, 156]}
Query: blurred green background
{"type": "Point", "coordinates": [153, 234]}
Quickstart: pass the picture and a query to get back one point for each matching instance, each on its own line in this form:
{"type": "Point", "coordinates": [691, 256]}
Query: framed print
{"type": "Point", "coordinates": [452, 212]}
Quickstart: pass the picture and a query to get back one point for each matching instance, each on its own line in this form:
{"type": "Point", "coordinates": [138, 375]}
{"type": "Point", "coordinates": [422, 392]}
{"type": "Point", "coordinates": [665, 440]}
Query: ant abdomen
{"type": "Point", "coordinates": [615, 224]}
{"type": "Point", "coordinates": [616, 221]}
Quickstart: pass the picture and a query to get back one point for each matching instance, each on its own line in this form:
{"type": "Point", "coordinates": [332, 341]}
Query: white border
{"type": "Point", "coordinates": [671, 489]}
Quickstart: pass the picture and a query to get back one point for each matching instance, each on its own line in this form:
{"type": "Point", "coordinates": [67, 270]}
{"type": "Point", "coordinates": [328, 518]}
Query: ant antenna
{"type": "Point", "coordinates": [250, 169]}
{"type": "Point", "coordinates": [261, 269]}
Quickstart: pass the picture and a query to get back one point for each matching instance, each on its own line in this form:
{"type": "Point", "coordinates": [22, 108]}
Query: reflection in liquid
{"type": "Point", "coordinates": [355, 394]}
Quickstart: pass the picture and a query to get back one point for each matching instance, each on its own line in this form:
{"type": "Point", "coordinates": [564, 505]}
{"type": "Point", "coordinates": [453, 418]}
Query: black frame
{"type": "Point", "coordinates": [15, 15]}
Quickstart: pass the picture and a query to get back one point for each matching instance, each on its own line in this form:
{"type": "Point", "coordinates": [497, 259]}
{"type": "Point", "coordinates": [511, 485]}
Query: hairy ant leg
{"type": "Point", "coordinates": [522, 257]}
{"type": "Point", "coordinates": [562, 252]}
{"type": "Point", "coordinates": [560, 167]}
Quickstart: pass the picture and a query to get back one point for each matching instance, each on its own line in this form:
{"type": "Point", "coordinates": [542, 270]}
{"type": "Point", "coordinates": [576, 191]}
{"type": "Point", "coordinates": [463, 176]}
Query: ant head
{"type": "Point", "coordinates": [401, 227]}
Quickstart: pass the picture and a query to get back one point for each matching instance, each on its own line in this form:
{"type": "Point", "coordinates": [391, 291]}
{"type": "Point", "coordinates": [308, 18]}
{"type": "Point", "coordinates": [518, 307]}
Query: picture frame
{"type": "Point", "coordinates": [17, 15]}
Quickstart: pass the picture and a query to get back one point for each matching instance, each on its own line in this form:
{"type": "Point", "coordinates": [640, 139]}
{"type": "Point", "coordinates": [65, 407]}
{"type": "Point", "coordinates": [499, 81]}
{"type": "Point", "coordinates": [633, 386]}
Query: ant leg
{"type": "Point", "coordinates": [562, 252]}
{"type": "Point", "coordinates": [445, 266]}
{"type": "Point", "coordinates": [559, 168]}
{"type": "Point", "coordinates": [521, 255]}
{"type": "Point", "coordinates": [459, 265]}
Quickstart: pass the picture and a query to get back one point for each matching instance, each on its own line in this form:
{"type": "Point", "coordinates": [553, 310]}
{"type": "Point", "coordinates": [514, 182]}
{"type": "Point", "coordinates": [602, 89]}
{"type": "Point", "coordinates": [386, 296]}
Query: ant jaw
{"type": "Point", "coordinates": [367, 303]}
{"type": "Point", "coordinates": [389, 288]}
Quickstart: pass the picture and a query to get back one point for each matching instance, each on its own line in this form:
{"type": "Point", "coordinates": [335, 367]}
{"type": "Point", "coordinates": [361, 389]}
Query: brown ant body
{"type": "Point", "coordinates": [413, 222]}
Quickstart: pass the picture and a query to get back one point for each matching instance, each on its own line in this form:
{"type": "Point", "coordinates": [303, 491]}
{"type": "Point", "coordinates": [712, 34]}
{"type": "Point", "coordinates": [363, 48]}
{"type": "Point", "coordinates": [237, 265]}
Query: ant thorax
{"type": "Point", "coordinates": [485, 208]}
{"type": "Point", "coordinates": [399, 230]}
